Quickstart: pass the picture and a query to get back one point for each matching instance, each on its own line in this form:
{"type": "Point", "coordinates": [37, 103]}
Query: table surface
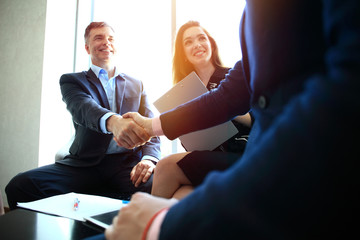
{"type": "Point", "coordinates": [24, 224]}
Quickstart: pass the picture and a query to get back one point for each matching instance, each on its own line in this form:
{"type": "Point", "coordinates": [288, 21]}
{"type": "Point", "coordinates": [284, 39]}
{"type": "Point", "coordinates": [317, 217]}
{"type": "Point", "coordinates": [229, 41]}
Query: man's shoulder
{"type": "Point", "coordinates": [78, 76]}
{"type": "Point", "coordinates": [132, 82]}
{"type": "Point", "coordinates": [130, 77]}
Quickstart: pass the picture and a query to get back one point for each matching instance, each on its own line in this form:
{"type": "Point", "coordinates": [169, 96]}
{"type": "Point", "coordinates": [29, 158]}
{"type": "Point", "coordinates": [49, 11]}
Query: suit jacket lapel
{"type": "Point", "coordinates": [120, 92]}
{"type": "Point", "coordinates": [96, 82]}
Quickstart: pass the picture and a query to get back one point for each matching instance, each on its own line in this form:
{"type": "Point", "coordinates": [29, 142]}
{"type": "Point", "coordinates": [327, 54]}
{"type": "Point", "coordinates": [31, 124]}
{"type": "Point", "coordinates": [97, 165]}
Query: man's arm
{"type": "Point", "coordinates": [222, 104]}
{"type": "Point", "coordinates": [86, 110]}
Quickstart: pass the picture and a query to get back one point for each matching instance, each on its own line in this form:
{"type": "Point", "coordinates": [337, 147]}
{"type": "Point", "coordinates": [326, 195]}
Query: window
{"type": "Point", "coordinates": [145, 31]}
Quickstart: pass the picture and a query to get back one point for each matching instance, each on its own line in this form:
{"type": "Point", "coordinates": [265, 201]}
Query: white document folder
{"type": "Point", "coordinates": [63, 205]}
{"type": "Point", "coordinates": [185, 90]}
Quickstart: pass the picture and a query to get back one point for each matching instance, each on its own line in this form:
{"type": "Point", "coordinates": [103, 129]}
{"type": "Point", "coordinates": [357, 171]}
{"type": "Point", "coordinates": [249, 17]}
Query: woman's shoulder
{"type": "Point", "coordinates": [217, 77]}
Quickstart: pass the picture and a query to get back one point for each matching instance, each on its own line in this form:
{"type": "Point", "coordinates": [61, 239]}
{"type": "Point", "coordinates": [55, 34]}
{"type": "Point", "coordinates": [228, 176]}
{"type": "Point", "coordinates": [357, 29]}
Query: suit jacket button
{"type": "Point", "coordinates": [262, 102]}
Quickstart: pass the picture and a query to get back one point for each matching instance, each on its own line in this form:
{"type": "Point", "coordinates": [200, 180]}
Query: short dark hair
{"type": "Point", "coordinates": [93, 25]}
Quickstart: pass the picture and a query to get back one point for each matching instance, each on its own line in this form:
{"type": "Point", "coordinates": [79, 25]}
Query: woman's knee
{"type": "Point", "coordinates": [168, 164]}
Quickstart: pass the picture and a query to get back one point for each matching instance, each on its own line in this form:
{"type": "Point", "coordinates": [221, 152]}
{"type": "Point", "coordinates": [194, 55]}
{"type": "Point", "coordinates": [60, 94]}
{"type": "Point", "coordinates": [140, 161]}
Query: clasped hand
{"type": "Point", "coordinates": [128, 133]}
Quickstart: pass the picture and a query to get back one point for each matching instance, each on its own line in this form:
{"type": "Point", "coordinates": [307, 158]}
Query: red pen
{"type": "Point", "coordinates": [76, 204]}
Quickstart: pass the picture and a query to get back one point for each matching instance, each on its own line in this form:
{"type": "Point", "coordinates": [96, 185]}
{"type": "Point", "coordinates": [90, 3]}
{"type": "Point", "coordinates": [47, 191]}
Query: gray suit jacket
{"type": "Point", "coordinates": [86, 100]}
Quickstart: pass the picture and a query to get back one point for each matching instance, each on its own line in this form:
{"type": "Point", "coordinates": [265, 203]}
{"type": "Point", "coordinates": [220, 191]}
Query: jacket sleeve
{"type": "Point", "coordinates": [222, 104]}
{"type": "Point", "coordinates": [299, 181]}
{"type": "Point", "coordinates": [80, 99]}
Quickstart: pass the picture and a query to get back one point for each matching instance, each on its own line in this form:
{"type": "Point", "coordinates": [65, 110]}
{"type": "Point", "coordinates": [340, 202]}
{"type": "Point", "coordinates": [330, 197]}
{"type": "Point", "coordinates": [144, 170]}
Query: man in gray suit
{"type": "Point", "coordinates": [96, 164]}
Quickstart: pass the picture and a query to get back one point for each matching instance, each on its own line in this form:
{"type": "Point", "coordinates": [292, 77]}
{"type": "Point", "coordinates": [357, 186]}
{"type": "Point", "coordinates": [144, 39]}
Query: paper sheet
{"type": "Point", "coordinates": [63, 205]}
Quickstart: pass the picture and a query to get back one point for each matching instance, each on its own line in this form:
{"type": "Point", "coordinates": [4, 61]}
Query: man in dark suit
{"type": "Point", "coordinates": [96, 164]}
{"type": "Point", "coordinates": [298, 177]}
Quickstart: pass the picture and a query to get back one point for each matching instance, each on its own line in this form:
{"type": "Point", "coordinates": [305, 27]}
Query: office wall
{"type": "Point", "coordinates": [22, 34]}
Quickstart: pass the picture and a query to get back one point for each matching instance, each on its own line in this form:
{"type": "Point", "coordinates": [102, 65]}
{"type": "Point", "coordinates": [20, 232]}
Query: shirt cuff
{"type": "Point", "coordinates": [151, 158]}
{"type": "Point", "coordinates": [154, 230]}
{"type": "Point", "coordinates": [103, 120]}
{"type": "Point", "coordinates": [156, 126]}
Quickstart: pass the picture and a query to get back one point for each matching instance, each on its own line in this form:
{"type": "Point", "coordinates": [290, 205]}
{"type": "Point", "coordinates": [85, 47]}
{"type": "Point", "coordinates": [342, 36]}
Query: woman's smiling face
{"type": "Point", "coordinates": [197, 46]}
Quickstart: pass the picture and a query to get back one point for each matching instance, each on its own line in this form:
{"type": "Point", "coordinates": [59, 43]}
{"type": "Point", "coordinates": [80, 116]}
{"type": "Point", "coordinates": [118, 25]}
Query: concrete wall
{"type": "Point", "coordinates": [22, 34]}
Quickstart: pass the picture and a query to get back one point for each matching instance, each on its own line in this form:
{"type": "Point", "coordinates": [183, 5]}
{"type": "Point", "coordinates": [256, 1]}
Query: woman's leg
{"type": "Point", "coordinates": [183, 191]}
{"type": "Point", "coordinates": [177, 174]}
{"type": "Point", "coordinates": [168, 176]}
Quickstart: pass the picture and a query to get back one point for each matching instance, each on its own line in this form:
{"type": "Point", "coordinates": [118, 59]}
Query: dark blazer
{"type": "Point", "coordinates": [298, 178]}
{"type": "Point", "coordinates": [86, 100]}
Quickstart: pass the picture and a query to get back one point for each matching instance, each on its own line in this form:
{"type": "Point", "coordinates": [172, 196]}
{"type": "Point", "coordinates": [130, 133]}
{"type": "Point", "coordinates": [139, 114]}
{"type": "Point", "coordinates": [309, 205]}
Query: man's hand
{"type": "Point", "coordinates": [126, 132]}
{"type": "Point", "coordinates": [142, 172]}
{"type": "Point", "coordinates": [132, 218]}
{"type": "Point", "coordinates": [144, 122]}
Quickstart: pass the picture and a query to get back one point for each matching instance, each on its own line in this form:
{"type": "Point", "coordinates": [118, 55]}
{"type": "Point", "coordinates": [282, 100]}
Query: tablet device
{"type": "Point", "coordinates": [103, 220]}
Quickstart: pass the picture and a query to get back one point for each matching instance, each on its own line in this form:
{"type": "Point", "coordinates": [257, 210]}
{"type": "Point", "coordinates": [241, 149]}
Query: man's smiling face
{"type": "Point", "coordinates": [100, 46]}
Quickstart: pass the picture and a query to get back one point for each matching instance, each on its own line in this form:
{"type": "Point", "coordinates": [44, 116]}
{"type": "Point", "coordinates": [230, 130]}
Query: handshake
{"type": "Point", "coordinates": [130, 130]}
